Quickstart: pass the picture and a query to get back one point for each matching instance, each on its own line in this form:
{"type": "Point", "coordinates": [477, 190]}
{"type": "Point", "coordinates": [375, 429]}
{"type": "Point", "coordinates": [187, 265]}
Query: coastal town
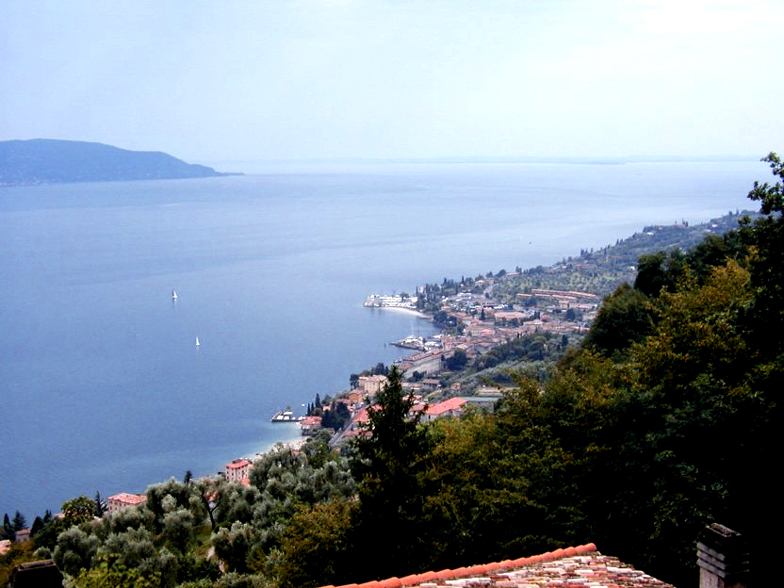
{"type": "Point", "coordinates": [482, 314]}
{"type": "Point", "coordinates": [474, 323]}
{"type": "Point", "coordinates": [475, 316]}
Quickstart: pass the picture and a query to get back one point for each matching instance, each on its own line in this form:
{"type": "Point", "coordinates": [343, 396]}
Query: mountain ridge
{"type": "Point", "coordinates": [43, 161]}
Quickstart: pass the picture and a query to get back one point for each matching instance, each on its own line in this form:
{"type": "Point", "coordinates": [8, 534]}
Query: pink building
{"type": "Point", "coordinates": [237, 470]}
{"type": "Point", "coordinates": [124, 500]}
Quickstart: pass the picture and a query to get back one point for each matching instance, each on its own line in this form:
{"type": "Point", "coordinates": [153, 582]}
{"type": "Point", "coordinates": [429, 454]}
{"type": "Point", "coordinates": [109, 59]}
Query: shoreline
{"type": "Point", "coordinates": [290, 439]}
{"type": "Point", "coordinates": [409, 311]}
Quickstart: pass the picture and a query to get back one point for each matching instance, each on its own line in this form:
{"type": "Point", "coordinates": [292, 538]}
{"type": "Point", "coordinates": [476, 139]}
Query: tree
{"type": "Point", "coordinates": [8, 528]}
{"type": "Point", "coordinates": [75, 550]}
{"type": "Point", "coordinates": [762, 321]}
{"type": "Point", "coordinates": [178, 526]}
{"type": "Point", "coordinates": [386, 463]}
{"type": "Point", "coordinates": [624, 318]}
{"type": "Point", "coordinates": [457, 360]}
{"type": "Point", "coordinates": [134, 546]}
{"type": "Point", "coordinates": [211, 493]}
{"type": "Point", "coordinates": [38, 525]}
{"type": "Point", "coordinates": [19, 522]}
{"type": "Point", "coordinates": [110, 574]}
{"type": "Point", "coordinates": [315, 549]}
{"type": "Point", "coordinates": [766, 236]}
{"type": "Point", "coordinates": [78, 510]}
{"type": "Point", "coordinates": [656, 272]}
{"type": "Point", "coordinates": [172, 493]}
{"type": "Point", "coordinates": [100, 505]}
{"type": "Point", "coordinates": [233, 545]}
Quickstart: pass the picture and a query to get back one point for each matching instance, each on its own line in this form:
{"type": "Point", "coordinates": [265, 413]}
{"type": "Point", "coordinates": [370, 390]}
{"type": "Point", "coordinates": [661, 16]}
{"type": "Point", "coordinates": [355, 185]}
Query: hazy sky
{"type": "Point", "coordinates": [217, 80]}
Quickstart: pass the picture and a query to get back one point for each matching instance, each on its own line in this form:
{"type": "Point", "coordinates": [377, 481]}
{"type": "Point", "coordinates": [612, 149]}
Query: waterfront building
{"type": "Point", "coordinates": [124, 500]}
{"type": "Point", "coordinates": [310, 424]}
{"type": "Point", "coordinates": [238, 470]}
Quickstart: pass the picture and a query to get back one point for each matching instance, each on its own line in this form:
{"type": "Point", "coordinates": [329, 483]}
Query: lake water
{"type": "Point", "coordinates": [103, 388]}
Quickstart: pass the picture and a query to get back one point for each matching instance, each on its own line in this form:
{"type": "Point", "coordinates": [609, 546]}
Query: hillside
{"type": "Point", "coordinates": [40, 161]}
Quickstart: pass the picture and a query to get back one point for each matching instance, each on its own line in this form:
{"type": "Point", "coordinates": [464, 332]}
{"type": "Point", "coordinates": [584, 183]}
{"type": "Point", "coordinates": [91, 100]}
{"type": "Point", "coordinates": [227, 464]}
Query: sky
{"type": "Point", "coordinates": [248, 80]}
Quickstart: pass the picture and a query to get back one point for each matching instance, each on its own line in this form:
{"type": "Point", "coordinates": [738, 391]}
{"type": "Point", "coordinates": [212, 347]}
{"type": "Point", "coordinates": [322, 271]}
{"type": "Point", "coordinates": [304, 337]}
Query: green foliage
{"type": "Point", "coordinates": [18, 554]}
{"type": "Point", "coordinates": [765, 237]}
{"type": "Point", "coordinates": [162, 498]}
{"type": "Point", "coordinates": [770, 197]}
{"type": "Point", "coordinates": [528, 348]}
{"type": "Point", "coordinates": [316, 449]}
{"type": "Point", "coordinates": [132, 547]}
{"type": "Point", "coordinates": [315, 547]}
{"type": "Point", "coordinates": [624, 318]}
{"type": "Point", "coordinates": [8, 529]}
{"type": "Point", "coordinates": [457, 360]}
{"type": "Point", "coordinates": [19, 522]}
{"type": "Point", "coordinates": [653, 276]}
{"type": "Point", "coordinates": [77, 511]}
{"type": "Point", "coordinates": [47, 536]}
{"type": "Point", "coordinates": [231, 580]}
{"type": "Point", "coordinates": [111, 574]}
{"type": "Point", "coordinates": [99, 507]}
{"type": "Point", "coordinates": [385, 464]}
{"type": "Point", "coordinates": [75, 550]}
{"type": "Point", "coordinates": [233, 545]}
{"type": "Point", "coordinates": [336, 417]}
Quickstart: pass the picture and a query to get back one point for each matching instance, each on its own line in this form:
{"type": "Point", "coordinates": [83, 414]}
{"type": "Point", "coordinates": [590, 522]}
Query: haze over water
{"type": "Point", "coordinates": [102, 385]}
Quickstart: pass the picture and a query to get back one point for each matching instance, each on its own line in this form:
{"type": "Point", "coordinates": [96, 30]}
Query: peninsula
{"type": "Point", "coordinates": [43, 161]}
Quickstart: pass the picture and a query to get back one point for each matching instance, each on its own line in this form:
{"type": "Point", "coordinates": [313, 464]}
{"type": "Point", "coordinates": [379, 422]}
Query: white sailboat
{"type": "Point", "coordinates": [174, 294]}
{"type": "Point", "coordinates": [197, 341]}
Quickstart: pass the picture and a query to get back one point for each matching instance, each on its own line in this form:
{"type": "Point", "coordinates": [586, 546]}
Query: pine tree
{"type": "Point", "coordinates": [100, 507]}
{"type": "Point", "coordinates": [387, 462]}
{"type": "Point", "coordinates": [8, 530]}
{"type": "Point", "coordinates": [19, 521]}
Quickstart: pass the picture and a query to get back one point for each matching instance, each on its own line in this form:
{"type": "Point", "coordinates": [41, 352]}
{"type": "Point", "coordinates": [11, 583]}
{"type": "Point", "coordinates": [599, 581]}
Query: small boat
{"type": "Point", "coordinates": [174, 294]}
{"type": "Point", "coordinates": [197, 341]}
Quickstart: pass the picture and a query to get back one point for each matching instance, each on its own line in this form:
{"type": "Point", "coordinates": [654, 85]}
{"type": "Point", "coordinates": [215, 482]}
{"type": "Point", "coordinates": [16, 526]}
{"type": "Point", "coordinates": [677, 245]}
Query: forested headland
{"type": "Point", "coordinates": [664, 419]}
{"type": "Point", "coordinates": [42, 161]}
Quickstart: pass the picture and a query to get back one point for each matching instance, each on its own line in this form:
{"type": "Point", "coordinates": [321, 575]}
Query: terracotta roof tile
{"type": "Point", "coordinates": [574, 567]}
{"type": "Point", "coordinates": [127, 498]}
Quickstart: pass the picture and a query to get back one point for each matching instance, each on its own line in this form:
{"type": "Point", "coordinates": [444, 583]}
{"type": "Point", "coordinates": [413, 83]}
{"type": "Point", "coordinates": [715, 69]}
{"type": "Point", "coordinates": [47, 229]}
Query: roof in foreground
{"type": "Point", "coordinates": [575, 567]}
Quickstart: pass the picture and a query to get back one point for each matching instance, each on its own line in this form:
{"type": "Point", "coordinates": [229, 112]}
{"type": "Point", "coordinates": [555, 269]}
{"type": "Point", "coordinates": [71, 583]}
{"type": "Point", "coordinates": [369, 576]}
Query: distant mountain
{"type": "Point", "coordinates": [48, 160]}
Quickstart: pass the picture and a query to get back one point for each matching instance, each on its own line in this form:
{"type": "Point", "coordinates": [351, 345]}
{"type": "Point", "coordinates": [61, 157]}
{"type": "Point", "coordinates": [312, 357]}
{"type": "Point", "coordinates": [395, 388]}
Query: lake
{"type": "Point", "coordinates": [103, 388]}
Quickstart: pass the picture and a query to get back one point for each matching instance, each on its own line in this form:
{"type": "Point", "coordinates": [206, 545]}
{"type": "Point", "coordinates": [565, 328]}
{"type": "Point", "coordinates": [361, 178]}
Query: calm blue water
{"type": "Point", "coordinates": [102, 385]}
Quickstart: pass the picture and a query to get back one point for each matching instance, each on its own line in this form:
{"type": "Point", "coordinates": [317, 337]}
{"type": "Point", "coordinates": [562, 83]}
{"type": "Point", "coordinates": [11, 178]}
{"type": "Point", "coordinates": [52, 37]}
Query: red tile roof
{"type": "Point", "coordinates": [575, 567]}
{"type": "Point", "coordinates": [126, 498]}
{"type": "Point", "coordinates": [237, 464]}
{"type": "Point", "coordinates": [445, 406]}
